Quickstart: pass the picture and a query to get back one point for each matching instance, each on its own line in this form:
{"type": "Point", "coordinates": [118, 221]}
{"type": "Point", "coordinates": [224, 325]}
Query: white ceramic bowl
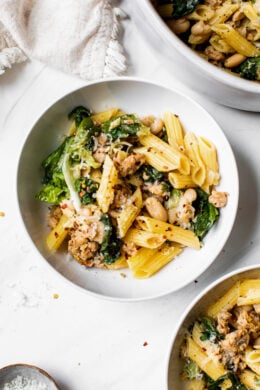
{"type": "Point", "coordinates": [141, 97]}
{"type": "Point", "coordinates": [189, 67]}
{"type": "Point", "coordinates": [198, 305]}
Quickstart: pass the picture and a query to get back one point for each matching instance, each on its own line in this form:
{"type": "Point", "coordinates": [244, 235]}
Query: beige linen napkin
{"type": "Point", "coordinates": [80, 37]}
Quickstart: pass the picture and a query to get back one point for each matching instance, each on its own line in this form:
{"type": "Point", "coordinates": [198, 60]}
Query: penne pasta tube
{"type": "Point", "coordinates": [156, 159]}
{"type": "Point", "coordinates": [180, 181]}
{"type": "Point", "coordinates": [170, 232]}
{"type": "Point", "coordinates": [129, 213]}
{"type": "Point", "coordinates": [198, 170]}
{"type": "Point", "coordinates": [149, 261]}
{"type": "Point", "coordinates": [234, 39]}
{"type": "Point", "coordinates": [248, 284]}
{"type": "Point", "coordinates": [57, 235]}
{"type": "Point", "coordinates": [201, 12]}
{"type": "Point", "coordinates": [168, 151]}
{"type": "Point", "coordinates": [211, 367]}
{"type": "Point", "coordinates": [252, 357]}
{"type": "Point", "coordinates": [252, 297]}
{"type": "Point", "coordinates": [227, 301]}
{"type": "Point", "coordinates": [144, 238]}
{"type": "Point", "coordinates": [105, 115]}
{"type": "Point", "coordinates": [208, 154]}
{"type": "Point", "coordinates": [105, 193]}
{"type": "Point", "coordinates": [174, 129]}
{"type": "Point", "coordinates": [250, 379]}
{"type": "Point", "coordinates": [223, 13]}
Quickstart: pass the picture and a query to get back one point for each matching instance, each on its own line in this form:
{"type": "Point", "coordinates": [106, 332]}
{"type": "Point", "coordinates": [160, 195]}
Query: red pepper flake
{"type": "Point", "coordinates": [145, 344]}
{"type": "Point", "coordinates": [64, 206]}
{"type": "Point", "coordinates": [56, 234]}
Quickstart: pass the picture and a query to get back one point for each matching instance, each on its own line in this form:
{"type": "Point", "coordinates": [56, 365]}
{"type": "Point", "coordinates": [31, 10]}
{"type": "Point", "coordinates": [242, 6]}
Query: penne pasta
{"type": "Point", "coordinates": [211, 367]}
{"type": "Point", "coordinates": [105, 115]}
{"type": "Point", "coordinates": [227, 301]}
{"type": "Point", "coordinates": [172, 154]}
{"type": "Point", "coordinates": [180, 181]}
{"type": "Point", "coordinates": [144, 238]}
{"type": "Point", "coordinates": [198, 170]}
{"type": "Point", "coordinates": [57, 235]}
{"type": "Point", "coordinates": [174, 130]}
{"type": "Point", "coordinates": [170, 232]}
{"type": "Point", "coordinates": [240, 44]}
{"type": "Point", "coordinates": [156, 159]}
{"type": "Point", "coordinates": [250, 379]}
{"type": "Point", "coordinates": [109, 178]}
{"type": "Point", "coordinates": [149, 261]}
{"type": "Point", "coordinates": [129, 213]}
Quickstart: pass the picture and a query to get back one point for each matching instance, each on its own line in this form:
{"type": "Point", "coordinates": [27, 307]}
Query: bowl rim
{"type": "Point", "coordinates": [138, 80]}
{"type": "Point", "coordinates": [194, 301]}
{"type": "Point", "coordinates": [211, 70]}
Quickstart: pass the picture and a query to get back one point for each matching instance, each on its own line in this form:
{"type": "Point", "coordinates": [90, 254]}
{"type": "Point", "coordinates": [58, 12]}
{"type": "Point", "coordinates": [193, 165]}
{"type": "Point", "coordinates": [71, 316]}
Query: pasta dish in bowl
{"type": "Point", "coordinates": [211, 46]}
{"type": "Point", "coordinates": [218, 339]}
{"type": "Point", "coordinates": [128, 192]}
{"type": "Point", "coordinates": [224, 32]}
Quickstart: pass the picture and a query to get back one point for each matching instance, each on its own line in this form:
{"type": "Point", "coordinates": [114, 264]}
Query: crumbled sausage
{"type": "Point", "coordinates": [218, 199]}
{"type": "Point", "coordinates": [130, 164]}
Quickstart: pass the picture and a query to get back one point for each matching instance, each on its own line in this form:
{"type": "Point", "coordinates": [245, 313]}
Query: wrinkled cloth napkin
{"type": "Point", "coordinates": [81, 37]}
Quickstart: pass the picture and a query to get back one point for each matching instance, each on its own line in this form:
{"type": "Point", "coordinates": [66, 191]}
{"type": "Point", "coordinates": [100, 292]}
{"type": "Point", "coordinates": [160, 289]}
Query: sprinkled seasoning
{"type": "Point", "coordinates": [23, 383]}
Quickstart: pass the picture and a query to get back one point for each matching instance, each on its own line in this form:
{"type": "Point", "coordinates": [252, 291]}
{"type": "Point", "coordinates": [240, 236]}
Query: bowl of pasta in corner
{"type": "Point", "coordinates": [212, 46]}
{"type": "Point", "coordinates": [127, 189]}
{"type": "Point", "coordinates": [216, 344]}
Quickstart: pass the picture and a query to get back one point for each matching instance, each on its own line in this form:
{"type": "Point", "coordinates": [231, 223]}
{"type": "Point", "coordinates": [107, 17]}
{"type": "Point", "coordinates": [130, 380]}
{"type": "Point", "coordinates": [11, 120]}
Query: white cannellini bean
{"type": "Point", "coordinates": [156, 209]}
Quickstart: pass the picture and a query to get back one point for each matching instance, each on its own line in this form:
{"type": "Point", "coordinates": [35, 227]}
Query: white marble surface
{"type": "Point", "coordinates": [84, 342]}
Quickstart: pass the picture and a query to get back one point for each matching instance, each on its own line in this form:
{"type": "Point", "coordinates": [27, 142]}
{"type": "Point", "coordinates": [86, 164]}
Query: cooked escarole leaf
{"type": "Point", "coordinates": [111, 245]}
{"type": "Point", "coordinates": [191, 370]}
{"type": "Point", "coordinates": [209, 330]}
{"type": "Point", "coordinates": [62, 167]}
{"type": "Point", "coordinates": [177, 8]}
{"type": "Point", "coordinates": [78, 114]}
{"type": "Point", "coordinates": [150, 174]}
{"type": "Point", "coordinates": [86, 132]}
{"type": "Point", "coordinates": [122, 127]}
{"type": "Point", "coordinates": [206, 214]}
{"type": "Point", "coordinates": [54, 188]}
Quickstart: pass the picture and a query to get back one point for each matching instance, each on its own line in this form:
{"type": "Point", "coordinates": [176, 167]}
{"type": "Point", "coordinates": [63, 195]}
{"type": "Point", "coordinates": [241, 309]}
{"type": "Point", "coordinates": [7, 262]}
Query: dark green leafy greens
{"type": "Point", "coordinates": [86, 131]}
{"type": "Point", "coordinates": [150, 174]}
{"type": "Point", "coordinates": [209, 330]}
{"type": "Point", "coordinates": [111, 245]}
{"type": "Point", "coordinates": [62, 167]}
{"type": "Point", "coordinates": [122, 127]}
{"type": "Point", "coordinates": [235, 382]}
{"type": "Point", "coordinates": [206, 214]}
{"type": "Point", "coordinates": [78, 114]}
{"type": "Point", "coordinates": [54, 188]}
{"type": "Point", "coordinates": [250, 69]}
{"type": "Point", "coordinates": [181, 7]}
{"type": "Point", "coordinates": [86, 189]}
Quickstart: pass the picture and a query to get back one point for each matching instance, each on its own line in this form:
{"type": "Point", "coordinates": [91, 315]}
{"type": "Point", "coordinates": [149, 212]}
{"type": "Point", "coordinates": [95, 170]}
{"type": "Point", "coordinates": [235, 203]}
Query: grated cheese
{"type": "Point", "coordinates": [23, 383]}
